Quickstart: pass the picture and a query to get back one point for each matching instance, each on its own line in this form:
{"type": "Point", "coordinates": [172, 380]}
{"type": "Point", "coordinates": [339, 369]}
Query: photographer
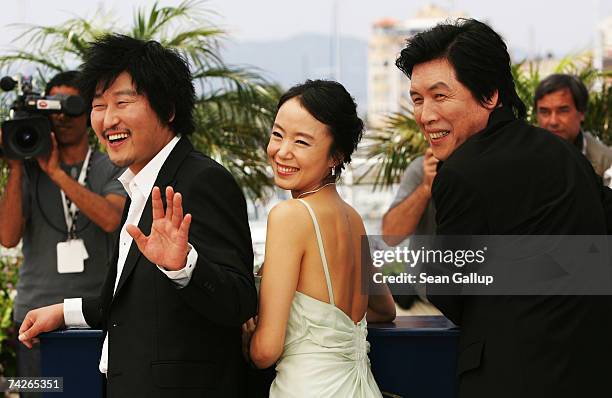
{"type": "Point", "coordinates": [60, 204]}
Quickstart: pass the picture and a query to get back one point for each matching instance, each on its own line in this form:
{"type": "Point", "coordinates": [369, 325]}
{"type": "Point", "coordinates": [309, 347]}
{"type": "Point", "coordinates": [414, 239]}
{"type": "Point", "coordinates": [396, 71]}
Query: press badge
{"type": "Point", "coordinates": [71, 256]}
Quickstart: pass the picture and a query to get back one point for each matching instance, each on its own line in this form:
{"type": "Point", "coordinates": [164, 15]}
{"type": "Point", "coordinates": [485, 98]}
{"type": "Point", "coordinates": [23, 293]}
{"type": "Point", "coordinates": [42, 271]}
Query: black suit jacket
{"type": "Point", "coordinates": [166, 341]}
{"type": "Point", "coordinates": [516, 179]}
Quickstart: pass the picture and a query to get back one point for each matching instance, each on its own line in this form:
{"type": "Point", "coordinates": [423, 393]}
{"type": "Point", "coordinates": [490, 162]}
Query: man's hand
{"type": "Point", "coordinates": [51, 163]}
{"type": "Point", "coordinates": [41, 320]}
{"type": "Point", "coordinates": [13, 164]}
{"type": "Point", "coordinates": [167, 245]}
{"type": "Point", "coordinates": [429, 169]}
{"type": "Point", "coordinates": [248, 328]}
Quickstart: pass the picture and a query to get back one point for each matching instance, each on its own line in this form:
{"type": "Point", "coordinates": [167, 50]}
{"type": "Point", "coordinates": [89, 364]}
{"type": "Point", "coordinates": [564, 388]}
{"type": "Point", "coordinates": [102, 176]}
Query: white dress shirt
{"type": "Point", "coordinates": [138, 187]}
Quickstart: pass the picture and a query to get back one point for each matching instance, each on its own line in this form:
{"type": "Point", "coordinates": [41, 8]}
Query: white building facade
{"type": "Point", "coordinates": [387, 85]}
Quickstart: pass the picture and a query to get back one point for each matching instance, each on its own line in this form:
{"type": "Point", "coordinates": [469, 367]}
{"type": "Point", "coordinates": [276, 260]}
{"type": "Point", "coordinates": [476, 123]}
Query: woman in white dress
{"type": "Point", "coordinates": [312, 308]}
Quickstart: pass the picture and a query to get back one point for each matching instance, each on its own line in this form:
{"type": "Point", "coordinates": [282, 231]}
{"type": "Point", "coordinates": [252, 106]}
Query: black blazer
{"type": "Point", "coordinates": [166, 341]}
{"type": "Point", "coordinates": [516, 179]}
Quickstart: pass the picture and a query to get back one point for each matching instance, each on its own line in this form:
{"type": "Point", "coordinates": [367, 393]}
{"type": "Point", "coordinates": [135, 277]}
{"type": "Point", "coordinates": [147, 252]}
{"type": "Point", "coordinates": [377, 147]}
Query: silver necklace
{"type": "Point", "coordinates": [316, 190]}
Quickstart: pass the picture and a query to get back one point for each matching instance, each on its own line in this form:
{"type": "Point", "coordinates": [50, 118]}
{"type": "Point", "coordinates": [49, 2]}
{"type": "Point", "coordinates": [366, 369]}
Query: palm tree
{"type": "Point", "coordinates": [235, 105]}
{"type": "Point", "coordinates": [392, 148]}
{"type": "Point", "coordinates": [399, 141]}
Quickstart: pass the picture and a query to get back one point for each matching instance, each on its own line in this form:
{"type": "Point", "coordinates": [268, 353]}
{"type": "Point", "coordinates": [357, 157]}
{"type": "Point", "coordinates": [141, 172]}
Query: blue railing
{"type": "Point", "coordinates": [415, 356]}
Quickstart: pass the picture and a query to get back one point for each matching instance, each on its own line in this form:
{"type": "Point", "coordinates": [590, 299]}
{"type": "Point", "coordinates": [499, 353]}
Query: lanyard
{"type": "Point", "coordinates": [71, 211]}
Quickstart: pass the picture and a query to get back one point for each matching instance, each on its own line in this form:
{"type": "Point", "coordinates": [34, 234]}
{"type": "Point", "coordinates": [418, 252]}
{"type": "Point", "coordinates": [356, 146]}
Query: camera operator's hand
{"type": "Point", "coordinates": [51, 163]}
{"type": "Point", "coordinates": [13, 164]}
{"type": "Point", "coordinates": [11, 214]}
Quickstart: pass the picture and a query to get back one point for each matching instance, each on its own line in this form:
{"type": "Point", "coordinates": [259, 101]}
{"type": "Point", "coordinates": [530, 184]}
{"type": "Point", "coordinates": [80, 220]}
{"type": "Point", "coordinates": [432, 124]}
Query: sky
{"type": "Point", "coordinates": [562, 27]}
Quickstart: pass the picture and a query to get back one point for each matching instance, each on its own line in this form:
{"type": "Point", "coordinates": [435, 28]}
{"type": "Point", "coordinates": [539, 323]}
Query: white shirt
{"type": "Point", "coordinates": [138, 187]}
{"type": "Point", "coordinates": [607, 177]}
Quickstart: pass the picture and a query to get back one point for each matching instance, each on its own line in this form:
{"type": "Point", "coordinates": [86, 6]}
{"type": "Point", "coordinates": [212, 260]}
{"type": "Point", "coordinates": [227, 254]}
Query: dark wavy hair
{"type": "Point", "coordinates": [69, 78]}
{"type": "Point", "coordinates": [478, 55]}
{"type": "Point", "coordinates": [330, 103]}
{"type": "Point", "coordinates": [159, 73]}
{"type": "Point", "coordinates": [559, 81]}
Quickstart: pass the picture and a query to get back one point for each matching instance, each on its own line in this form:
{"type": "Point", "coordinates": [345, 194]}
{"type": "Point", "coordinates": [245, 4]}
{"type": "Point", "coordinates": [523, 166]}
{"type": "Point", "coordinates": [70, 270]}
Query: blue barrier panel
{"type": "Point", "coordinates": [415, 356]}
{"type": "Point", "coordinates": [74, 355]}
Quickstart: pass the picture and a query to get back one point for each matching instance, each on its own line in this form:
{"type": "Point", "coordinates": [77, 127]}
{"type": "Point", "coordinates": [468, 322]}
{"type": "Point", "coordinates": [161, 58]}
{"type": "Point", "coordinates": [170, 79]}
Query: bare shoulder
{"type": "Point", "coordinates": [287, 209]}
{"type": "Point", "coordinates": [289, 216]}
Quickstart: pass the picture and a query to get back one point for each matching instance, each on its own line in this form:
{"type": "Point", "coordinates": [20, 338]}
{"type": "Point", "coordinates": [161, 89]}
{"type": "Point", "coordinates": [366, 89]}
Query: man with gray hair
{"type": "Point", "coordinates": [561, 103]}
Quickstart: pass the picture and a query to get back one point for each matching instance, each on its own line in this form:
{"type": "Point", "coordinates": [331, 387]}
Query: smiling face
{"type": "Point", "coordinates": [299, 149]}
{"type": "Point", "coordinates": [557, 113]}
{"type": "Point", "coordinates": [127, 125]}
{"type": "Point", "coordinates": [68, 130]}
{"type": "Point", "coordinates": [445, 110]}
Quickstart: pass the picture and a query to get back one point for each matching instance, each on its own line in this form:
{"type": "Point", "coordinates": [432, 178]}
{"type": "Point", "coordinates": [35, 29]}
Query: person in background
{"type": "Point", "coordinates": [412, 212]}
{"type": "Point", "coordinates": [561, 102]}
{"type": "Point", "coordinates": [69, 199]}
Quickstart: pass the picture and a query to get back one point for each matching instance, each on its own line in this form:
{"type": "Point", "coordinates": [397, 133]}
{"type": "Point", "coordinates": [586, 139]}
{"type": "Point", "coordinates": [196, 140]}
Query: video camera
{"type": "Point", "coordinates": [27, 131]}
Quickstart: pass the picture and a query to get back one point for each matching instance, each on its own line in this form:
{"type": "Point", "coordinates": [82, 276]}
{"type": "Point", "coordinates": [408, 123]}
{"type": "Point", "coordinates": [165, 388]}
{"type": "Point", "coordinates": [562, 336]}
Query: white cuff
{"type": "Point", "coordinates": [607, 178]}
{"type": "Point", "coordinates": [73, 313]}
{"type": "Point", "coordinates": [182, 277]}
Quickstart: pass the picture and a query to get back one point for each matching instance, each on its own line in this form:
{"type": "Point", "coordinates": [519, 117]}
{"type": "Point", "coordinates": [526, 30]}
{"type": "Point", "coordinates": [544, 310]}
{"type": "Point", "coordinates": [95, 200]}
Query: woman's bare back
{"type": "Point", "coordinates": [341, 232]}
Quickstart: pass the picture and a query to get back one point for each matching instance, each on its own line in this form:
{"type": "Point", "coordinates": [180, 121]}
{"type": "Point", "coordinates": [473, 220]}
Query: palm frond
{"type": "Point", "coordinates": [233, 128]}
{"type": "Point", "coordinates": [235, 106]}
{"type": "Point", "coordinates": [186, 38]}
{"type": "Point", "coordinates": [391, 148]}
{"type": "Point", "coordinates": [24, 57]}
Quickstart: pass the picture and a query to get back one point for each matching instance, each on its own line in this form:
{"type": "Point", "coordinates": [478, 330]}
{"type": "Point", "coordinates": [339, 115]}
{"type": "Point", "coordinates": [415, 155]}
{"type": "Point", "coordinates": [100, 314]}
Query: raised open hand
{"type": "Point", "coordinates": [167, 245]}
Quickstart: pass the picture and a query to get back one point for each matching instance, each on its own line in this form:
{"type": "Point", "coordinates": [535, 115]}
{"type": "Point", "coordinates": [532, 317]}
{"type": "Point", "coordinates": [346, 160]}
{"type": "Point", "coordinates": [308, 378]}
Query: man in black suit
{"type": "Point", "coordinates": [501, 176]}
{"type": "Point", "coordinates": [181, 282]}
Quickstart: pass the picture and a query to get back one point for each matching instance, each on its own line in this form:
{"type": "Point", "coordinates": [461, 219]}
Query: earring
{"type": "Point", "coordinates": [333, 171]}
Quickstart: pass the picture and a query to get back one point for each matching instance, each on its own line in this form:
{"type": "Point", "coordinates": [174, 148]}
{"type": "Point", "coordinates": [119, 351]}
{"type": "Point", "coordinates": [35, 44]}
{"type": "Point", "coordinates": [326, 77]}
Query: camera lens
{"type": "Point", "coordinates": [26, 138]}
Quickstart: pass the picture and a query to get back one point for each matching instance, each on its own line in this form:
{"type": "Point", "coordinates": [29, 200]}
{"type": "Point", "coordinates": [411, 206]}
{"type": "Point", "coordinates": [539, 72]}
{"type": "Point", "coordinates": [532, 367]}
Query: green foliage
{"type": "Point", "coordinates": [8, 282]}
{"type": "Point", "coordinates": [526, 83]}
{"type": "Point", "coordinates": [392, 147]}
{"type": "Point", "coordinates": [3, 174]}
{"type": "Point", "coordinates": [598, 118]}
{"type": "Point", "coordinates": [4, 105]}
{"type": "Point", "coordinates": [527, 77]}
{"type": "Point", "coordinates": [227, 131]}
{"type": "Point", "coordinates": [236, 105]}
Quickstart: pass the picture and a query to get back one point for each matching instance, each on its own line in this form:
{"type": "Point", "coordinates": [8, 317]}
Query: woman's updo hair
{"type": "Point", "coordinates": [330, 103]}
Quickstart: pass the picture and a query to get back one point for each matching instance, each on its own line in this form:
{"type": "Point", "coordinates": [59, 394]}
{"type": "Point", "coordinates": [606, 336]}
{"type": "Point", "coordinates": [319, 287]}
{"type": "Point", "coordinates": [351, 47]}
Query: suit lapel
{"type": "Point", "coordinates": [166, 177]}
